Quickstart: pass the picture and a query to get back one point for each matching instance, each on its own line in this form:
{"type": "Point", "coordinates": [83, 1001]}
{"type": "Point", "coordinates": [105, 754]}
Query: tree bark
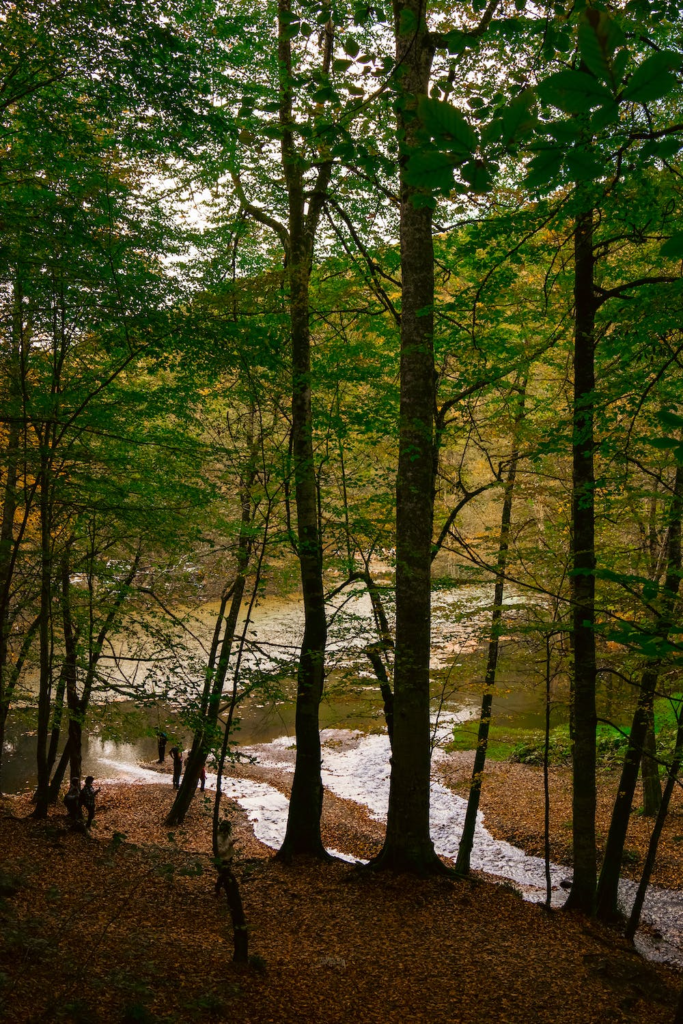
{"type": "Point", "coordinates": [582, 894]}
{"type": "Point", "coordinates": [305, 806]}
{"type": "Point", "coordinates": [649, 771]}
{"type": "Point", "coordinates": [408, 845]}
{"type": "Point", "coordinates": [9, 507]}
{"type": "Point", "coordinates": [58, 776]}
{"type": "Point", "coordinates": [206, 734]}
{"type": "Point", "coordinates": [70, 670]}
{"type": "Point", "coordinates": [608, 888]}
{"type": "Point", "coordinates": [240, 933]}
{"type": "Point", "coordinates": [45, 670]}
{"type": "Point", "coordinates": [462, 865]}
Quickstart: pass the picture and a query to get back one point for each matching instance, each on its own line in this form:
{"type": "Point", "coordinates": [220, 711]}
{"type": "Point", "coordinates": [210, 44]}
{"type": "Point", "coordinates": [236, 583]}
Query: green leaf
{"type": "Point", "coordinates": [607, 114]}
{"type": "Point", "coordinates": [564, 131]}
{"type": "Point", "coordinates": [430, 169]}
{"type": "Point", "coordinates": [456, 41]}
{"type": "Point", "coordinates": [673, 247]}
{"type": "Point", "coordinates": [574, 92]}
{"type": "Point", "coordinates": [653, 79]}
{"type": "Point", "coordinates": [584, 166]}
{"type": "Point", "coordinates": [667, 148]}
{"type": "Point", "coordinates": [544, 167]}
{"type": "Point", "coordinates": [341, 65]}
{"type": "Point", "coordinates": [518, 118]}
{"type": "Point", "coordinates": [669, 418]}
{"type": "Point", "coordinates": [478, 176]}
{"type": "Point", "coordinates": [446, 124]}
{"type": "Point", "coordinates": [594, 51]}
{"type": "Point", "coordinates": [599, 36]}
{"type": "Point", "coordinates": [351, 47]}
{"type": "Point", "coordinates": [620, 62]}
{"type": "Point", "coordinates": [492, 132]}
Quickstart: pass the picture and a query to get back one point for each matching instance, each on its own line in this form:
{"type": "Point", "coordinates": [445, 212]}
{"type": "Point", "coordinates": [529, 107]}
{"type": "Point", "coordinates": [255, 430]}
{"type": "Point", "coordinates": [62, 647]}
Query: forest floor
{"type": "Point", "coordinates": [123, 926]}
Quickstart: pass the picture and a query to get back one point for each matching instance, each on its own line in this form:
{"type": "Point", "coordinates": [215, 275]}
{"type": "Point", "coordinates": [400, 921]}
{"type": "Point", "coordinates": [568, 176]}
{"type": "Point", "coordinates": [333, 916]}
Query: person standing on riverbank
{"type": "Point", "coordinates": [161, 744]}
{"type": "Point", "coordinates": [177, 766]}
{"type": "Point", "coordinates": [87, 799]}
{"type": "Point", "coordinates": [72, 801]}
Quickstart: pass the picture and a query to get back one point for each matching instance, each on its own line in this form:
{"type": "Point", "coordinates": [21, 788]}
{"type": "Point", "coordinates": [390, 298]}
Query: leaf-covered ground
{"type": "Point", "coordinates": [106, 929]}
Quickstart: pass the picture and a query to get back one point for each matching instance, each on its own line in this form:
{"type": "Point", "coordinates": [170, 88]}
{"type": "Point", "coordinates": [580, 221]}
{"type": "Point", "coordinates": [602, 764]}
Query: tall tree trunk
{"type": "Point", "coordinates": [608, 888]}
{"type": "Point", "coordinates": [408, 845]}
{"type": "Point", "coordinates": [649, 771]}
{"type": "Point", "coordinates": [44, 683]}
{"type": "Point", "coordinates": [205, 736]}
{"type": "Point", "coordinates": [56, 720]}
{"type": "Point", "coordinates": [70, 669]}
{"type": "Point", "coordinates": [462, 865]}
{"type": "Point", "coordinates": [58, 776]}
{"type": "Point", "coordinates": [9, 507]}
{"type": "Point", "coordinates": [672, 777]}
{"type": "Point", "coordinates": [305, 805]}
{"type": "Point", "coordinates": [582, 894]}
{"type": "Point", "coordinates": [375, 652]}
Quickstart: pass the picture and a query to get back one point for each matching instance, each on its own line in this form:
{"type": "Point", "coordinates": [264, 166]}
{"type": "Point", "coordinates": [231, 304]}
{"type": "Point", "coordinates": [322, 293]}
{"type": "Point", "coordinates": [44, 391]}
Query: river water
{"type": "Point", "coordinates": [272, 641]}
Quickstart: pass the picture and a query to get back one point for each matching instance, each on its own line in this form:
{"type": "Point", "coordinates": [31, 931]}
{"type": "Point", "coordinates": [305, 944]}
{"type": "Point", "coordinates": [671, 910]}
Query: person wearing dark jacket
{"type": "Point", "coordinates": [161, 744]}
{"type": "Point", "coordinates": [177, 766]}
{"type": "Point", "coordinates": [87, 799]}
{"type": "Point", "coordinates": [72, 801]}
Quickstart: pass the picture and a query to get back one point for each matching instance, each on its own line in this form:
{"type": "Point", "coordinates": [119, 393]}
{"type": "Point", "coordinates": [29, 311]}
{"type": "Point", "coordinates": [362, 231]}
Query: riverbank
{"type": "Point", "coordinates": [120, 929]}
{"type": "Point", "coordinates": [512, 799]}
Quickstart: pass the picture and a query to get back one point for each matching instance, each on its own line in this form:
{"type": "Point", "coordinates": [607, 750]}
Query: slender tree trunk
{"type": "Point", "coordinates": [70, 670]}
{"type": "Point", "coordinates": [228, 881]}
{"type": "Point", "coordinates": [44, 693]}
{"type": "Point", "coordinates": [608, 888]}
{"type": "Point", "coordinates": [649, 771]}
{"type": "Point", "coordinates": [305, 805]}
{"type": "Point", "coordinates": [408, 845]}
{"type": "Point", "coordinates": [648, 867]}
{"type": "Point", "coordinates": [207, 732]}
{"type": "Point", "coordinates": [9, 507]}
{"type": "Point", "coordinates": [462, 865]}
{"type": "Point", "coordinates": [375, 652]}
{"type": "Point", "coordinates": [546, 777]}
{"type": "Point", "coordinates": [56, 720]}
{"type": "Point", "coordinates": [58, 777]}
{"type": "Point", "coordinates": [582, 894]}
{"type": "Point", "coordinates": [206, 735]}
